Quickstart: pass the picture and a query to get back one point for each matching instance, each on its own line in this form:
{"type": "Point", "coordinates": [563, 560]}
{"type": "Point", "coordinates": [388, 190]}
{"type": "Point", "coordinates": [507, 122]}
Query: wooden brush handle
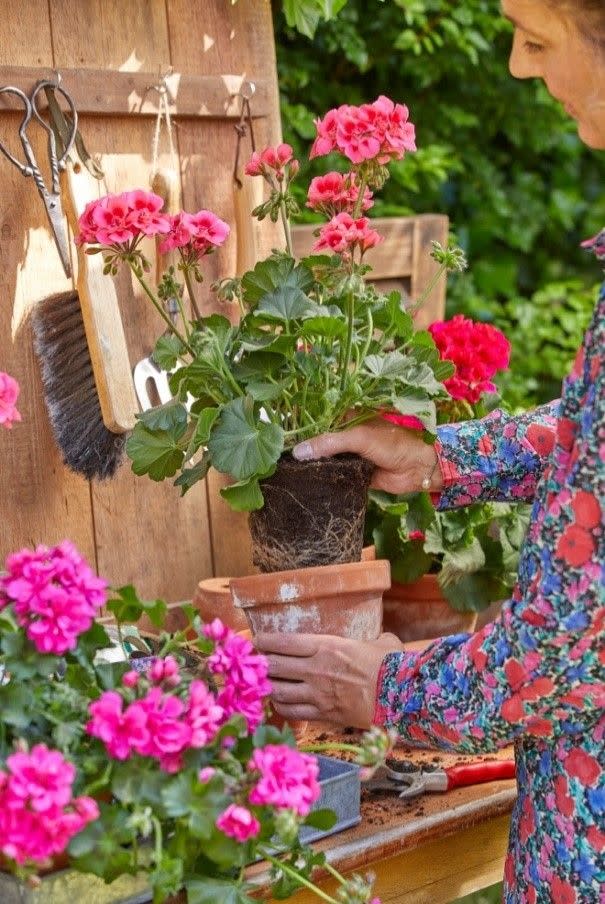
{"type": "Point", "coordinates": [101, 314]}
{"type": "Point", "coordinates": [245, 199]}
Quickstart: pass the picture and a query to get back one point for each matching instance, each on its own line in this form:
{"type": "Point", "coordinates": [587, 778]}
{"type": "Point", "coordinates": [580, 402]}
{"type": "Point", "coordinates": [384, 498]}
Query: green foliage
{"type": "Point", "coordinates": [497, 155]}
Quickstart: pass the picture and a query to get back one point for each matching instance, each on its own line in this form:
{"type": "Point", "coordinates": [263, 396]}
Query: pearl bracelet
{"type": "Point", "coordinates": [426, 482]}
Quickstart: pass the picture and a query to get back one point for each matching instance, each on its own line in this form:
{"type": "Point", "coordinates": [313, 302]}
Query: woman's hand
{"type": "Point", "coordinates": [403, 460]}
{"type": "Point", "coordinates": [320, 677]}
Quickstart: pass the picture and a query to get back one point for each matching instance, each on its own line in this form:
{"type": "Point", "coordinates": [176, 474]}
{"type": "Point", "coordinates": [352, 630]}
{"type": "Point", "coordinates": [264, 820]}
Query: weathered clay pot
{"type": "Point", "coordinates": [313, 515]}
{"type": "Point", "coordinates": [345, 600]}
{"type": "Point", "coordinates": [213, 600]}
{"type": "Point", "coordinates": [419, 611]}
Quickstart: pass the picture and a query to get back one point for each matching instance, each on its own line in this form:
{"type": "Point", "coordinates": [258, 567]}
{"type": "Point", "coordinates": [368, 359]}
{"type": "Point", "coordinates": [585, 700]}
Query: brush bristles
{"type": "Point", "coordinates": [70, 392]}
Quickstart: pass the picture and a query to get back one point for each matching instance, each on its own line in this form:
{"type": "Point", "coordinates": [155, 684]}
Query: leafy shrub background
{"type": "Point", "coordinates": [499, 156]}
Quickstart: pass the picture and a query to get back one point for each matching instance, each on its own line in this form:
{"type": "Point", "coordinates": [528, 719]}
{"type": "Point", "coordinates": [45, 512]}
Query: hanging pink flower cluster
{"type": "Point", "coordinates": [38, 814]}
{"type": "Point", "coordinates": [9, 393]}
{"type": "Point", "coordinates": [118, 219]}
{"type": "Point", "coordinates": [380, 131]}
{"type": "Point", "coordinates": [54, 594]}
{"type": "Point", "coordinates": [167, 717]}
{"type": "Point", "coordinates": [158, 724]}
{"type": "Point", "coordinates": [273, 161]}
{"type": "Point", "coordinates": [336, 193]}
{"type": "Point", "coordinates": [245, 674]}
{"type": "Point", "coordinates": [288, 779]}
{"type": "Point", "coordinates": [478, 350]}
{"type": "Point", "coordinates": [342, 235]}
{"type": "Point", "coordinates": [195, 234]}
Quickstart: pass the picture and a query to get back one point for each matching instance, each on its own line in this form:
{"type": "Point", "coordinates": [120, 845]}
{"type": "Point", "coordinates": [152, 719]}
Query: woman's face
{"type": "Point", "coordinates": [548, 45]}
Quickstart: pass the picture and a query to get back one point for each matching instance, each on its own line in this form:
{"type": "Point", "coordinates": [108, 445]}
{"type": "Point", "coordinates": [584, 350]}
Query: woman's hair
{"type": "Point", "coordinates": [589, 16]}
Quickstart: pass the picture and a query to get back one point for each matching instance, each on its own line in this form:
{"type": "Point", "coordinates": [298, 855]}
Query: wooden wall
{"type": "Point", "coordinates": [132, 529]}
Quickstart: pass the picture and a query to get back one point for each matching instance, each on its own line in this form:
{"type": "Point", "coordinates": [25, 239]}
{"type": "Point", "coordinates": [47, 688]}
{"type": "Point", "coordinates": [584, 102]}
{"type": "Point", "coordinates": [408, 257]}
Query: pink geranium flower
{"type": "Point", "coordinates": [121, 731]}
{"type": "Point", "coordinates": [288, 778]}
{"type": "Point", "coordinates": [54, 594]}
{"type": "Point", "coordinates": [239, 823]}
{"type": "Point", "coordinates": [409, 421]}
{"type": "Point", "coordinates": [38, 815]}
{"type": "Point", "coordinates": [204, 715]}
{"type": "Point", "coordinates": [334, 193]}
{"type": "Point", "coordinates": [144, 215]}
{"type": "Point", "coordinates": [110, 218]}
{"type": "Point", "coordinates": [343, 234]}
{"type": "Point", "coordinates": [272, 159]}
{"type": "Point", "coordinates": [379, 131]}
{"type": "Point", "coordinates": [9, 393]}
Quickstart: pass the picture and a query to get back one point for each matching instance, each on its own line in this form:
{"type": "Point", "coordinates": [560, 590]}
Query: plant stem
{"type": "Point", "coordinates": [359, 202]}
{"type": "Point", "coordinates": [317, 748]}
{"type": "Point", "coordinates": [159, 845]}
{"type": "Point", "coordinates": [162, 312]}
{"type": "Point", "coordinates": [285, 222]}
{"type": "Point", "coordinates": [191, 293]}
{"type": "Point", "coordinates": [295, 875]}
{"type": "Point", "coordinates": [425, 294]}
{"type": "Point", "coordinates": [347, 355]}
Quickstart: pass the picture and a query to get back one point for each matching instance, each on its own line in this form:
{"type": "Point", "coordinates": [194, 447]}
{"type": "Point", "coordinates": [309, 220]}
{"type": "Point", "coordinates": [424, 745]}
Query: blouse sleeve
{"type": "Point", "coordinates": [542, 662]}
{"type": "Point", "coordinates": [499, 458]}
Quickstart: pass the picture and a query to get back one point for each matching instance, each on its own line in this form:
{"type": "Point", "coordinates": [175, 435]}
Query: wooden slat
{"type": "Point", "coordinates": [42, 502]}
{"type": "Point", "coordinates": [429, 228]}
{"type": "Point", "coordinates": [236, 38]}
{"type": "Point", "coordinates": [114, 93]}
{"type": "Point", "coordinates": [145, 533]}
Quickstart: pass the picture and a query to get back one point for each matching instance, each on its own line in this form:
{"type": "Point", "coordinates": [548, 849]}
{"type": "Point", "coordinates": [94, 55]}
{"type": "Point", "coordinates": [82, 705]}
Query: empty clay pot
{"type": "Point", "coordinates": [345, 600]}
{"type": "Point", "coordinates": [213, 600]}
{"type": "Point", "coordinates": [419, 611]}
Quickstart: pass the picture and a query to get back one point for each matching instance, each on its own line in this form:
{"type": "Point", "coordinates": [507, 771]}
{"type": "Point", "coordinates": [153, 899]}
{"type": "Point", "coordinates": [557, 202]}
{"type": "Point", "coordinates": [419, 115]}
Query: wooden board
{"type": "Point", "coordinates": [132, 529]}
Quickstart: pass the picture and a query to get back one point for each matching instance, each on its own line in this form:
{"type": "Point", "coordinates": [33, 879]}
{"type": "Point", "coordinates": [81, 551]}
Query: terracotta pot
{"type": "Point", "coordinates": [419, 611]}
{"type": "Point", "coordinates": [368, 554]}
{"type": "Point", "coordinates": [345, 600]}
{"type": "Point", "coordinates": [313, 515]}
{"type": "Point", "coordinates": [213, 600]}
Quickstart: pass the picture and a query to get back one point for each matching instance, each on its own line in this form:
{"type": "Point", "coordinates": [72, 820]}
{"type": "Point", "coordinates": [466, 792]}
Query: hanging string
{"type": "Point", "coordinates": [163, 117]}
{"type": "Point", "coordinates": [244, 126]}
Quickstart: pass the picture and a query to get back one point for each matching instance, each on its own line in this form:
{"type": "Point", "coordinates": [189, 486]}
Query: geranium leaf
{"type": "Point", "coordinates": [167, 351]}
{"type": "Point", "coordinates": [216, 891]}
{"type": "Point", "coordinates": [156, 453]}
{"type": "Point", "coordinates": [244, 496]}
{"type": "Point", "coordinates": [423, 409]}
{"type": "Point", "coordinates": [286, 303]}
{"type": "Point", "coordinates": [172, 416]}
{"type": "Point", "coordinates": [190, 476]}
{"type": "Point", "coordinates": [329, 327]}
{"type": "Point", "coordinates": [321, 819]}
{"type": "Point", "coordinates": [241, 444]}
{"type": "Point", "coordinates": [205, 422]}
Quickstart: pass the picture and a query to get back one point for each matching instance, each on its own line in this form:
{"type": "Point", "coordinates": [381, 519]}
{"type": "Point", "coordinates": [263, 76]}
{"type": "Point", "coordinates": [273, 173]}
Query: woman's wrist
{"type": "Point", "coordinates": [429, 476]}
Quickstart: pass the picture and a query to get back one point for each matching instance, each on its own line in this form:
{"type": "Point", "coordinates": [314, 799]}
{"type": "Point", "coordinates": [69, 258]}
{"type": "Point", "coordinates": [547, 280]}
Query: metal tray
{"type": "Point", "coordinates": [340, 791]}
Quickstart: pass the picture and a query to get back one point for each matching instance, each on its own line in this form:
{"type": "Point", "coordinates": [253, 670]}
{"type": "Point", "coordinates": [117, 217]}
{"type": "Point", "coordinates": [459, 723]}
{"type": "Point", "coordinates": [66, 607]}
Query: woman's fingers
{"type": "Point", "coordinates": [288, 668]}
{"type": "Point", "coordinates": [328, 444]}
{"type": "Point", "coordinates": [287, 644]}
{"type": "Point", "coordinates": [299, 712]}
{"type": "Point", "coordinates": [292, 692]}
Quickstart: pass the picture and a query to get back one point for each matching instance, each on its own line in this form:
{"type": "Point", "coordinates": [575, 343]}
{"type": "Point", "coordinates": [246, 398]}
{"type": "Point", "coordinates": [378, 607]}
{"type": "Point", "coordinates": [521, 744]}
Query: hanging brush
{"type": "Point", "coordinates": [81, 346]}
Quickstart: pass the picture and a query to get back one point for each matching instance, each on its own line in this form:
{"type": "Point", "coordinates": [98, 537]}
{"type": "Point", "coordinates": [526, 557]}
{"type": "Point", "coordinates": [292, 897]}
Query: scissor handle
{"type": "Point", "coordinates": [29, 168]}
{"type": "Point", "coordinates": [476, 773]}
{"type": "Point", "coordinates": [57, 164]}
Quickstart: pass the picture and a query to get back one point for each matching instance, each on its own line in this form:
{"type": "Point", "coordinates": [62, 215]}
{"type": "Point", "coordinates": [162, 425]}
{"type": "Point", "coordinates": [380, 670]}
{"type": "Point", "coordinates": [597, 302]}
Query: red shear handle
{"type": "Point", "coordinates": [475, 773]}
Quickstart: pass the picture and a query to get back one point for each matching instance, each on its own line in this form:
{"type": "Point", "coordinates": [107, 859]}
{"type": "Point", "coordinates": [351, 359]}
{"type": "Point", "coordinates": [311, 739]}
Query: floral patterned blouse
{"type": "Point", "coordinates": [536, 676]}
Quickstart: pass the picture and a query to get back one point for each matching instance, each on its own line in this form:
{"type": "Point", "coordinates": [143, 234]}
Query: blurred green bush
{"type": "Point", "coordinates": [497, 155]}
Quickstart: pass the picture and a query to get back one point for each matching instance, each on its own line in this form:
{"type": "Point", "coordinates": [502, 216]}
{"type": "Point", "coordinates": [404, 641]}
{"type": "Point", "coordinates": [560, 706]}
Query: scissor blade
{"type": "Point", "coordinates": [54, 212]}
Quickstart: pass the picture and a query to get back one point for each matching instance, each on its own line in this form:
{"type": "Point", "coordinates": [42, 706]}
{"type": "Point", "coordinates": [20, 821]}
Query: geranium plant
{"type": "Point", "coordinates": [166, 770]}
{"type": "Point", "coordinates": [317, 348]}
{"type": "Point", "coordinates": [474, 550]}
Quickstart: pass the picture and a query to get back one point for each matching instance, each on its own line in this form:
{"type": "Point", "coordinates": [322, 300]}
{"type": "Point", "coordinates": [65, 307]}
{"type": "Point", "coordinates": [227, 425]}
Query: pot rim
{"type": "Point", "coordinates": [302, 584]}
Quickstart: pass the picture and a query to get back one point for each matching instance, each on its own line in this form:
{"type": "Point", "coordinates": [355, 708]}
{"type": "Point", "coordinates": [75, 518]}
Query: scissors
{"type": "Point", "coordinates": [51, 197]}
{"type": "Point", "coordinates": [409, 781]}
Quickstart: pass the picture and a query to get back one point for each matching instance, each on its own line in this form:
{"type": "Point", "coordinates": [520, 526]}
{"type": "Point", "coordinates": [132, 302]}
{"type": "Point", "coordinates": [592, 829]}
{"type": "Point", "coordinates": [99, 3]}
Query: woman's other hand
{"type": "Point", "coordinates": [402, 459]}
{"type": "Point", "coordinates": [320, 677]}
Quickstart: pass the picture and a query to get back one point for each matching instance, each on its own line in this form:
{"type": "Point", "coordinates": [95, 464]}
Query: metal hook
{"type": "Point", "coordinates": [246, 92]}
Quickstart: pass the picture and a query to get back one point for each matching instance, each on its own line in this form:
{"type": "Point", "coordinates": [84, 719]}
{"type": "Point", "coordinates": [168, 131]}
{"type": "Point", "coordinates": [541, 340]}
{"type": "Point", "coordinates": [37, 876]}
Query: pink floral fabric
{"type": "Point", "coordinates": [536, 676]}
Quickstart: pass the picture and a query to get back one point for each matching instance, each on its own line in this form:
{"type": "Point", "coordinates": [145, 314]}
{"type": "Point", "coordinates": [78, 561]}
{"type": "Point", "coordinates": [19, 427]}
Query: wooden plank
{"type": "Point", "coordinates": [146, 534]}
{"type": "Point", "coordinates": [429, 228]}
{"type": "Point", "coordinates": [111, 92]}
{"type": "Point", "coordinates": [42, 502]}
{"type": "Point", "coordinates": [438, 872]}
{"type": "Point", "coordinates": [234, 38]}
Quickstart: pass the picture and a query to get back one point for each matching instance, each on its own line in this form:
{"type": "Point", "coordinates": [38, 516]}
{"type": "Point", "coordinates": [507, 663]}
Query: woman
{"type": "Point", "coordinates": [536, 677]}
